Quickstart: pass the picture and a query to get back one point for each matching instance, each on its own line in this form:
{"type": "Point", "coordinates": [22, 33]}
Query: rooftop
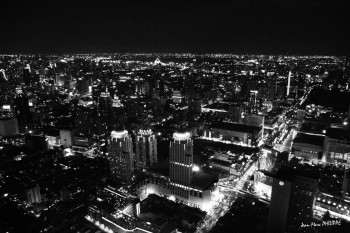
{"type": "Point", "coordinates": [339, 133]}
{"type": "Point", "coordinates": [310, 139]}
{"type": "Point", "coordinates": [235, 127]}
{"type": "Point", "coordinates": [202, 180]}
{"type": "Point", "coordinates": [119, 134]}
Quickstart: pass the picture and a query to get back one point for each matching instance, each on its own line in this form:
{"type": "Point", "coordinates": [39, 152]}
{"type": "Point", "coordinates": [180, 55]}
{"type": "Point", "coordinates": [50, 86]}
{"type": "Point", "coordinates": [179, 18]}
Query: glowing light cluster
{"type": "Point", "coordinates": [195, 168]}
{"type": "Point", "coordinates": [119, 134]}
{"type": "Point", "coordinates": [182, 136]}
{"type": "Point", "coordinates": [145, 131]}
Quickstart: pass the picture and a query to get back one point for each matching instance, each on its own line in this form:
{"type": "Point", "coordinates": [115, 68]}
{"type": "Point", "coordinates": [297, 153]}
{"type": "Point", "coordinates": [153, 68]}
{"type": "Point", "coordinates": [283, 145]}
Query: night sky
{"type": "Point", "coordinates": [242, 26]}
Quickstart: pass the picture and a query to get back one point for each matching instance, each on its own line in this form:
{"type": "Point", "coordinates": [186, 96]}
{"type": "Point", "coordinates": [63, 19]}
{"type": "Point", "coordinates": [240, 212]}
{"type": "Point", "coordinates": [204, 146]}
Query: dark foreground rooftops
{"type": "Point", "coordinates": [338, 133]}
{"type": "Point", "coordinates": [203, 180]}
{"type": "Point", "coordinates": [310, 139]}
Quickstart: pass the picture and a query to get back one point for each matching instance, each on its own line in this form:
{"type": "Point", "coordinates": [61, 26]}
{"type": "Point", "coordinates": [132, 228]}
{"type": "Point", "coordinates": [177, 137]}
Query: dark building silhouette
{"type": "Point", "coordinates": [292, 200]}
{"type": "Point", "coordinates": [24, 116]}
{"type": "Point", "coordinates": [301, 205]}
{"type": "Point", "coordinates": [27, 75]}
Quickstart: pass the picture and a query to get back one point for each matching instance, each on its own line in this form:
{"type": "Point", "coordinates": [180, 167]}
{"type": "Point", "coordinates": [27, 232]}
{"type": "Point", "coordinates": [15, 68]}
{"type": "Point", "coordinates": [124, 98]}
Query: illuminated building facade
{"type": "Point", "coordinates": [288, 84]}
{"type": "Point", "coordinates": [185, 184]}
{"type": "Point", "coordinates": [116, 211]}
{"type": "Point", "coordinates": [67, 136]}
{"type": "Point", "coordinates": [253, 101]}
{"type": "Point", "coordinates": [308, 146]}
{"type": "Point", "coordinates": [120, 156]}
{"type": "Point", "coordinates": [181, 163]}
{"type": "Point", "coordinates": [146, 148]}
{"type": "Point", "coordinates": [235, 133]}
{"type": "Point", "coordinates": [33, 194]}
{"type": "Point", "coordinates": [177, 97]}
{"type": "Point", "coordinates": [336, 148]}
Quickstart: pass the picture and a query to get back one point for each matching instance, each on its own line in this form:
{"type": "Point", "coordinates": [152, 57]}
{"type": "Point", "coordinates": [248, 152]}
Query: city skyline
{"type": "Point", "coordinates": [169, 117]}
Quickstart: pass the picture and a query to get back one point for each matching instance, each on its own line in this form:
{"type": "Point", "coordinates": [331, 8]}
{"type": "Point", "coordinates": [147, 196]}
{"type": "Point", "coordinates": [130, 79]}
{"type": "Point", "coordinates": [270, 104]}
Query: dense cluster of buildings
{"type": "Point", "coordinates": [98, 141]}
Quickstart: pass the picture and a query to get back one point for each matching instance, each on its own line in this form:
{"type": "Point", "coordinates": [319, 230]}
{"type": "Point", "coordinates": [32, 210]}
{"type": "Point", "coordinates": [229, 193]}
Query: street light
{"type": "Point", "coordinates": [195, 168]}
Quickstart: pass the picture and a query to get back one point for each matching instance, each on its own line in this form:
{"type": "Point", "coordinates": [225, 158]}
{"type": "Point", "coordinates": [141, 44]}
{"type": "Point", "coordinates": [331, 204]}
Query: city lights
{"type": "Point", "coordinates": [195, 168]}
{"type": "Point", "coordinates": [153, 142]}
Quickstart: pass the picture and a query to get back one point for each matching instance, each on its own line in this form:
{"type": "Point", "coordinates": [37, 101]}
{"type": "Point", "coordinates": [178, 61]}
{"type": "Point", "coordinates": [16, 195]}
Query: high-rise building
{"type": "Point", "coordinates": [83, 85]}
{"type": "Point", "coordinates": [181, 163]}
{"type": "Point", "coordinates": [288, 82]}
{"type": "Point", "coordinates": [177, 97]}
{"type": "Point", "coordinates": [346, 185]}
{"type": "Point", "coordinates": [194, 108]}
{"type": "Point", "coordinates": [348, 118]}
{"type": "Point", "coordinates": [8, 126]}
{"type": "Point", "coordinates": [292, 201]}
{"type": "Point", "coordinates": [237, 114]}
{"type": "Point", "coordinates": [302, 202]}
{"type": "Point", "coordinates": [26, 75]}
{"type": "Point", "coordinates": [67, 136]}
{"type": "Point", "coordinates": [33, 194]}
{"type": "Point", "coordinates": [23, 114]}
{"type": "Point", "coordinates": [120, 156]}
{"type": "Point", "coordinates": [253, 105]}
{"type": "Point", "coordinates": [105, 102]}
{"type": "Point", "coordinates": [146, 148]}
{"type": "Point", "coordinates": [96, 92]}
{"type": "Point", "coordinates": [272, 86]}
{"type": "Point", "coordinates": [280, 198]}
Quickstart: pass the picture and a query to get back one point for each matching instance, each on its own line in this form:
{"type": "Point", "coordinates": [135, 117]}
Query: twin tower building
{"type": "Point", "coordinates": [121, 156]}
{"type": "Point", "coordinates": [122, 160]}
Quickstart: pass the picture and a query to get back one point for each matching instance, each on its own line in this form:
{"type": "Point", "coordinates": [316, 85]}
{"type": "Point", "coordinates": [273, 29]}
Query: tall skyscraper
{"type": "Point", "coordinates": [292, 201]}
{"type": "Point", "coordinates": [280, 198]}
{"type": "Point", "coordinates": [33, 194]}
{"type": "Point", "coordinates": [23, 114]}
{"type": "Point", "coordinates": [346, 184]}
{"type": "Point", "coordinates": [194, 108]}
{"type": "Point", "coordinates": [146, 148]}
{"type": "Point", "coordinates": [26, 75]}
{"type": "Point", "coordinates": [288, 84]}
{"type": "Point", "coordinates": [301, 203]}
{"type": "Point", "coordinates": [105, 102]}
{"type": "Point", "coordinates": [181, 163]}
{"type": "Point", "coordinates": [253, 105]}
{"type": "Point", "coordinates": [120, 156]}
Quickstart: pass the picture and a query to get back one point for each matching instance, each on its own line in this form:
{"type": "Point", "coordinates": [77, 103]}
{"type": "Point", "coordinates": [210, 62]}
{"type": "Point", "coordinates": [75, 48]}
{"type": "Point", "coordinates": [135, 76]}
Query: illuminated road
{"type": "Point", "coordinates": [286, 144]}
{"type": "Point", "coordinates": [227, 195]}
